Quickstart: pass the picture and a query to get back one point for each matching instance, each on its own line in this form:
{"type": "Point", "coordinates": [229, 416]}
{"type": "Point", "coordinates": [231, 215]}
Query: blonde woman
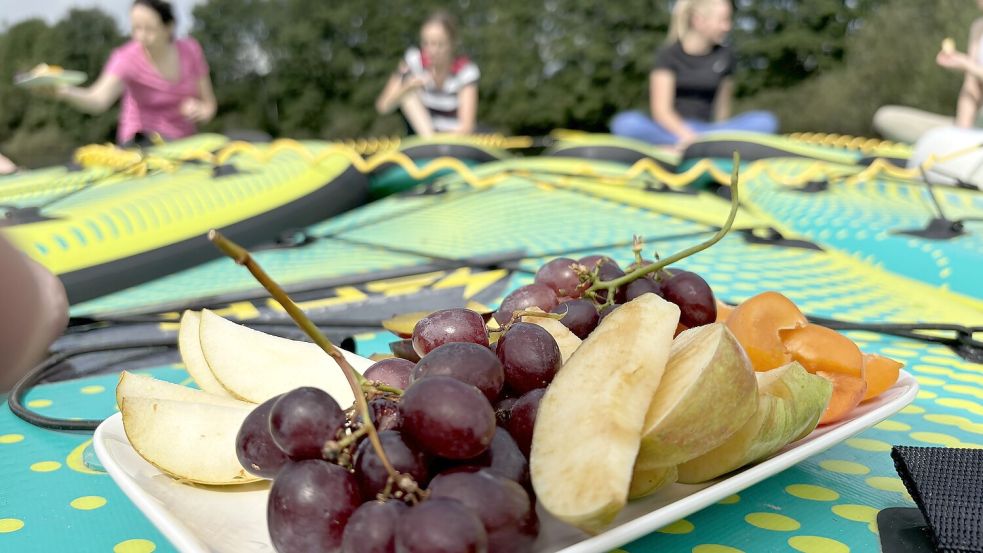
{"type": "Point", "coordinates": [691, 85]}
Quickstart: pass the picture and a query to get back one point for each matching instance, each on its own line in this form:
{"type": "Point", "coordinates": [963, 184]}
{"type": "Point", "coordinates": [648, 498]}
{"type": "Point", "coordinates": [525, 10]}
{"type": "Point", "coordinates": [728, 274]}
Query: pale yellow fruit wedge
{"type": "Point", "coordinates": [194, 361]}
{"type": "Point", "coordinates": [589, 424]}
{"type": "Point", "coordinates": [567, 341]}
{"type": "Point", "coordinates": [137, 385]}
{"type": "Point", "coordinates": [254, 366]}
{"type": "Point", "coordinates": [648, 481]}
{"type": "Point", "coordinates": [188, 441]}
{"type": "Point", "coordinates": [707, 393]}
{"type": "Point", "coordinates": [790, 402]}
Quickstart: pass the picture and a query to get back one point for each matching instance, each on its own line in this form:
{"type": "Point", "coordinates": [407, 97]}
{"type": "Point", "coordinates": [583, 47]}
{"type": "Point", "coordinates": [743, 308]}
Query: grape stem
{"type": "Point", "coordinates": [355, 380]}
{"type": "Point", "coordinates": [611, 285]}
{"type": "Point", "coordinates": [370, 386]}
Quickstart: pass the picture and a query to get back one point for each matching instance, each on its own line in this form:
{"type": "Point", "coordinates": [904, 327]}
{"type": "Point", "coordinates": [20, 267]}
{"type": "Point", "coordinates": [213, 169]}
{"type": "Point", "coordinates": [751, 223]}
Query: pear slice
{"type": "Point", "coordinates": [138, 385]}
{"type": "Point", "coordinates": [790, 402]}
{"type": "Point", "coordinates": [589, 424]}
{"type": "Point", "coordinates": [194, 361]}
{"type": "Point", "coordinates": [195, 442]}
{"type": "Point", "coordinates": [567, 341]}
{"type": "Point", "coordinates": [254, 366]}
{"type": "Point", "coordinates": [707, 393]}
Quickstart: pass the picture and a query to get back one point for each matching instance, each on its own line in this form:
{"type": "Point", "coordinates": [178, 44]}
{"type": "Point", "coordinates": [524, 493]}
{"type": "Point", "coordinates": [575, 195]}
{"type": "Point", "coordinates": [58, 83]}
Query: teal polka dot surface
{"type": "Point", "coordinates": [54, 497]}
{"type": "Point", "coordinates": [866, 218]}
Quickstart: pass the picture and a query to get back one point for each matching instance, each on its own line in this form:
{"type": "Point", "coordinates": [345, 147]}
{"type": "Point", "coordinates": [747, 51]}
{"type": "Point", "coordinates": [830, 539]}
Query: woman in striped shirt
{"type": "Point", "coordinates": [435, 90]}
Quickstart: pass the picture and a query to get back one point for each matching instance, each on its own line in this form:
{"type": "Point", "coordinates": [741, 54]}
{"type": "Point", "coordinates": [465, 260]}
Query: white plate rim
{"type": "Point", "coordinates": [66, 77]}
{"type": "Point", "coordinates": [187, 542]}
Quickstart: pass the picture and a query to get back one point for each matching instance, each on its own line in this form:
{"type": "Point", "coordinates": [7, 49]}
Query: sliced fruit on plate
{"type": "Point", "coordinates": [589, 423]}
{"type": "Point", "coordinates": [818, 348]}
{"type": "Point", "coordinates": [188, 441]}
{"type": "Point", "coordinates": [790, 403]}
{"type": "Point", "coordinates": [189, 344]}
{"type": "Point", "coordinates": [756, 322]}
{"type": "Point", "coordinates": [707, 393]}
{"type": "Point", "coordinates": [848, 392]}
{"type": "Point", "coordinates": [254, 366]}
{"type": "Point", "coordinates": [647, 481]}
{"type": "Point", "coordinates": [880, 373]}
{"type": "Point", "coordinates": [137, 385]}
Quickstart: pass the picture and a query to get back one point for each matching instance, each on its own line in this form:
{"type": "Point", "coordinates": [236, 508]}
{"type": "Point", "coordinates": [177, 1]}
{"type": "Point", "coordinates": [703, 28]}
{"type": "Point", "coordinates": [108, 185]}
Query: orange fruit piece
{"type": "Point", "coordinates": [723, 311]}
{"type": "Point", "coordinates": [756, 322]}
{"type": "Point", "coordinates": [880, 373]}
{"type": "Point", "coordinates": [848, 391]}
{"type": "Point", "coordinates": [818, 348]}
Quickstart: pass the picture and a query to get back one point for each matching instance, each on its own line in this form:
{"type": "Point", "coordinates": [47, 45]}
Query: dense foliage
{"type": "Point", "coordinates": [312, 69]}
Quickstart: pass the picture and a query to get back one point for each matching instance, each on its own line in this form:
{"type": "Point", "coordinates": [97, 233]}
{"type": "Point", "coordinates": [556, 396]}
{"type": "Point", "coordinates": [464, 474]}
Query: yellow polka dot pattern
{"type": "Point", "coordinates": [886, 483]}
{"type": "Point", "coordinates": [88, 503]}
{"type": "Point", "coordinates": [856, 513]}
{"type": "Point", "coordinates": [811, 492]}
{"type": "Point", "coordinates": [46, 466]}
{"type": "Point", "coordinates": [11, 438]}
{"type": "Point", "coordinates": [772, 521]}
{"type": "Point", "coordinates": [90, 390]}
{"type": "Point", "coordinates": [817, 544]}
{"type": "Point", "coordinates": [8, 525]}
{"type": "Point", "coordinates": [866, 444]}
{"type": "Point", "coordinates": [681, 526]}
{"type": "Point", "coordinates": [730, 500]}
{"type": "Point", "coordinates": [39, 403]}
{"type": "Point", "coordinates": [893, 426]}
{"type": "Point", "coordinates": [844, 467]}
{"type": "Point", "coordinates": [715, 548]}
{"type": "Point", "coordinates": [135, 546]}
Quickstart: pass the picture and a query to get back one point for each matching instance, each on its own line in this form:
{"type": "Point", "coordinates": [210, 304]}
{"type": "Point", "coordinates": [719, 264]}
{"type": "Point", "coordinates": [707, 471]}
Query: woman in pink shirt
{"type": "Point", "coordinates": [164, 81]}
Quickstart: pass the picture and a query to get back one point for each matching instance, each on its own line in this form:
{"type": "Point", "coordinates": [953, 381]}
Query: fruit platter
{"type": "Point", "coordinates": [591, 407]}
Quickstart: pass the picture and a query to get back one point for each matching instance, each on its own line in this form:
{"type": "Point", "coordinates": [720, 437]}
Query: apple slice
{"type": "Point", "coordinates": [254, 366]}
{"type": "Point", "coordinates": [137, 385]}
{"type": "Point", "coordinates": [567, 341]}
{"type": "Point", "coordinates": [194, 361]}
{"type": "Point", "coordinates": [589, 424]}
{"type": "Point", "coordinates": [790, 402]}
{"type": "Point", "coordinates": [189, 441]}
{"type": "Point", "coordinates": [647, 481]}
{"type": "Point", "coordinates": [707, 393]}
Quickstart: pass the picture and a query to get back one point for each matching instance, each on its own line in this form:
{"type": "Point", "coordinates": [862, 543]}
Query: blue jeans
{"type": "Point", "coordinates": [637, 125]}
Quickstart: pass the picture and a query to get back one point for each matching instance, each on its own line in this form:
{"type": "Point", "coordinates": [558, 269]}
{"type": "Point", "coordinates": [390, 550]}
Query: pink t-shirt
{"type": "Point", "coordinates": [152, 103]}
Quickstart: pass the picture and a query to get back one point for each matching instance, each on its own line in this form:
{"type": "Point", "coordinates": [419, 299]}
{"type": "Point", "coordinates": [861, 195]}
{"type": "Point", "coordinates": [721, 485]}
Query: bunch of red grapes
{"type": "Point", "coordinates": [458, 436]}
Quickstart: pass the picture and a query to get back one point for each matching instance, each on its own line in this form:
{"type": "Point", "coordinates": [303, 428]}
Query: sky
{"type": "Point", "coordinates": [15, 11]}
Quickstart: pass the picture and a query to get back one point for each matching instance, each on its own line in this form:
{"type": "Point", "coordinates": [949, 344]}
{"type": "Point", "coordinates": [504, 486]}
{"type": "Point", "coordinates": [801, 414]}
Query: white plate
{"type": "Point", "coordinates": [66, 77]}
{"type": "Point", "coordinates": [201, 519]}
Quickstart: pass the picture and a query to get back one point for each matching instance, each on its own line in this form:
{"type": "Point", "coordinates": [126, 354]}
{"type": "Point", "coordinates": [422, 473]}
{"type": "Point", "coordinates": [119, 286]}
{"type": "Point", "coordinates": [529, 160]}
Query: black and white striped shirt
{"type": "Point", "coordinates": [442, 103]}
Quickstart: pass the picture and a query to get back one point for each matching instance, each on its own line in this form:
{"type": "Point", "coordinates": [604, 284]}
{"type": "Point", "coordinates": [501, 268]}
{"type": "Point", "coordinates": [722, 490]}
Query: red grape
{"type": "Point", "coordinates": [523, 419]}
{"type": "Point", "coordinates": [393, 372]}
{"type": "Point", "coordinates": [502, 505]}
{"type": "Point", "coordinates": [580, 316]}
{"type": "Point", "coordinates": [372, 528]}
{"type": "Point", "coordinates": [693, 296]}
{"type": "Point", "coordinates": [530, 357]}
{"type": "Point", "coordinates": [559, 275]}
{"type": "Point", "coordinates": [371, 473]}
{"type": "Point", "coordinates": [303, 420]}
{"type": "Point", "coordinates": [504, 458]}
{"type": "Point", "coordinates": [524, 297]}
{"type": "Point", "coordinates": [309, 504]}
{"type": "Point", "coordinates": [448, 325]}
{"type": "Point", "coordinates": [446, 417]}
{"type": "Point", "coordinates": [384, 413]}
{"type": "Point", "coordinates": [257, 451]}
{"type": "Point", "coordinates": [503, 409]}
{"type": "Point", "coordinates": [403, 349]}
{"type": "Point", "coordinates": [469, 363]}
{"type": "Point", "coordinates": [440, 526]}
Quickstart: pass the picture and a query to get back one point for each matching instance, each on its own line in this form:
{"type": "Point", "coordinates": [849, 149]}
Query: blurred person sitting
{"type": "Point", "coordinates": [435, 89]}
{"type": "Point", "coordinates": [690, 87]}
{"type": "Point", "coordinates": [907, 124]}
{"type": "Point", "coordinates": [163, 80]}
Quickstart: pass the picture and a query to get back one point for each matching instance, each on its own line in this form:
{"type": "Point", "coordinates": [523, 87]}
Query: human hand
{"type": "Point", "coordinates": [195, 110]}
{"type": "Point", "coordinates": [686, 137]}
{"type": "Point", "coordinates": [413, 82]}
{"type": "Point", "coordinates": [954, 60]}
